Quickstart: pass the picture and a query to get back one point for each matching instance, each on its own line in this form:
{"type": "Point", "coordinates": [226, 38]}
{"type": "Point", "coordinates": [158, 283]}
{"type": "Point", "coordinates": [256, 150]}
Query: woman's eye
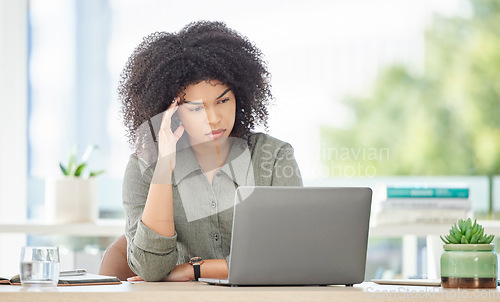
{"type": "Point", "coordinates": [197, 108]}
{"type": "Point", "coordinates": [223, 101]}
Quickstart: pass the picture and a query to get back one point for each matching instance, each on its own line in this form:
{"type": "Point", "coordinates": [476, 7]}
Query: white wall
{"type": "Point", "coordinates": [13, 126]}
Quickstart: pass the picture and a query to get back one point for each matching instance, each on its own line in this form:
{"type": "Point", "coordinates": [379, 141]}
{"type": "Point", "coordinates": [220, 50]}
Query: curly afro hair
{"type": "Point", "coordinates": [164, 64]}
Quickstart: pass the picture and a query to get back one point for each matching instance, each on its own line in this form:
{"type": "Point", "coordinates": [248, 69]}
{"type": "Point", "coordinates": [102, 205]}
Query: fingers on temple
{"type": "Point", "coordinates": [179, 131]}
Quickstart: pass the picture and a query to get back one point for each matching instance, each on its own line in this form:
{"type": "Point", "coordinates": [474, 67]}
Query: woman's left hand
{"type": "Point", "coordinates": [134, 279]}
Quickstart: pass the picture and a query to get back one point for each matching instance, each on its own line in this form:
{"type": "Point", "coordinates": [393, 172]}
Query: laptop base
{"type": "Point", "coordinates": [226, 282]}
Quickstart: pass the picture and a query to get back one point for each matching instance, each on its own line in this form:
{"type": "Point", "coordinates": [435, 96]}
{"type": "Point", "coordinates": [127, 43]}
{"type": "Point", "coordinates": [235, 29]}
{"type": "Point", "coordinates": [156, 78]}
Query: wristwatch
{"type": "Point", "coordinates": [196, 262]}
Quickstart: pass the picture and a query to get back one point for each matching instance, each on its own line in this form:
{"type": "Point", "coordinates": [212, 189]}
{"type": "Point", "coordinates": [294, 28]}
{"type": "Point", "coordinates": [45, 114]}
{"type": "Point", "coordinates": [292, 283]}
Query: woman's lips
{"type": "Point", "coordinates": [216, 133]}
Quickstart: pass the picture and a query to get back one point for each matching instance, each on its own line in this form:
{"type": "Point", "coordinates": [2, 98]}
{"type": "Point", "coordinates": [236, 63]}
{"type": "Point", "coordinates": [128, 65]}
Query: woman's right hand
{"type": "Point", "coordinates": [158, 213]}
{"type": "Point", "coordinates": [167, 140]}
{"type": "Point", "coordinates": [180, 273]}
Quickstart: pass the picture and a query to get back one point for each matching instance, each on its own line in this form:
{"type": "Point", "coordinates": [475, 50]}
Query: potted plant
{"type": "Point", "coordinates": [469, 259]}
{"type": "Point", "coordinates": [73, 197]}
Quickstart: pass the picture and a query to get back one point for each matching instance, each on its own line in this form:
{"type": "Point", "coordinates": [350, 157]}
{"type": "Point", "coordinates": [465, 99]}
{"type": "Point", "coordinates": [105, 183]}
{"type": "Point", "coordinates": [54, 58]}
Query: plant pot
{"type": "Point", "coordinates": [71, 199]}
{"type": "Point", "coordinates": [469, 266]}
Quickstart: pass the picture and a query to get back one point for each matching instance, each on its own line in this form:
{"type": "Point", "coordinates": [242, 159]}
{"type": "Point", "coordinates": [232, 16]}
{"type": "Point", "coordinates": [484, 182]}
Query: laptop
{"type": "Point", "coordinates": [298, 236]}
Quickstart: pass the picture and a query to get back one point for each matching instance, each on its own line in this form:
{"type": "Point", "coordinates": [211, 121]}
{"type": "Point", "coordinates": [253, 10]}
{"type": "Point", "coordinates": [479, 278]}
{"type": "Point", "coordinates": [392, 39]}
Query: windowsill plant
{"type": "Point", "coordinates": [73, 197]}
{"type": "Point", "coordinates": [76, 168]}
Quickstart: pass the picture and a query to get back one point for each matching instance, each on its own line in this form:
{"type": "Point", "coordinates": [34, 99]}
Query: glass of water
{"type": "Point", "coordinates": [39, 266]}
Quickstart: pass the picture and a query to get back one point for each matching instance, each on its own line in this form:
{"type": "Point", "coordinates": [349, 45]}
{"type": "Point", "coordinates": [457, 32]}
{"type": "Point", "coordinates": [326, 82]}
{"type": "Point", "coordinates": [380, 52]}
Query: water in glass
{"type": "Point", "coordinates": [39, 266]}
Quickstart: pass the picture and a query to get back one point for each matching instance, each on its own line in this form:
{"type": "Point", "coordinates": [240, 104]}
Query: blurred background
{"type": "Point", "coordinates": [365, 91]}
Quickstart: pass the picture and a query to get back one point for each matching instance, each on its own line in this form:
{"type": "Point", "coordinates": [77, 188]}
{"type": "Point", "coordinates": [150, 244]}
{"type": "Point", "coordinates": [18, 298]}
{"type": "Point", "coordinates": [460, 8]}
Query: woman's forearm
{"type": "Point", "coordinates": [158, 214]}
{"type": "Point", "coordinates": [211, 268]}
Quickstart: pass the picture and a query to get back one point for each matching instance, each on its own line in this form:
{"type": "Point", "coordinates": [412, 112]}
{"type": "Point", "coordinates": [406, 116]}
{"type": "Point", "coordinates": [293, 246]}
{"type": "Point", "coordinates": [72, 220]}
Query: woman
{"type": "Point", "coordinates": [190, 101]}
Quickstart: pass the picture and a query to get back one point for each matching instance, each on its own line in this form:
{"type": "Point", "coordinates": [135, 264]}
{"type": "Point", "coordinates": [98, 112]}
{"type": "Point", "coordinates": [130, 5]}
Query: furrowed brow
{"type": "Point", "coordinates": [225, 91]}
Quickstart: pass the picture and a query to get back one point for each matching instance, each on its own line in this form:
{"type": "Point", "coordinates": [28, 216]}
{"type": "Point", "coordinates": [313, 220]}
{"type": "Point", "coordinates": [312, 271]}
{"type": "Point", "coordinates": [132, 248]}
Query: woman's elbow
{"type": "Point", "coordinates": [153, 269]}
{"type": "Point", "coordinates": [153, 275]}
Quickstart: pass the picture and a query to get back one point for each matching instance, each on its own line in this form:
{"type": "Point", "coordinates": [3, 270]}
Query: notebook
{"type": "Point", "coordinates": [84, 279]}
{"type": "Point", "coordinates": [298, 236]}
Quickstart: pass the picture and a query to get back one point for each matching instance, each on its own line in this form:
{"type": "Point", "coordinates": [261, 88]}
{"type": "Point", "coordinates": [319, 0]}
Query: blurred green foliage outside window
{"type": "Point", "coordinates": [444, 120]}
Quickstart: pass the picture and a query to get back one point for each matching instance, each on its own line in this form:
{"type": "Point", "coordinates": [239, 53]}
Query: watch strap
{"type": "Point", "coordinates": [197, 273]}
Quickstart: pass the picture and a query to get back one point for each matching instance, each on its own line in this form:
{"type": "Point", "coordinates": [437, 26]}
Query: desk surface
{"type": "Point", "coordinates": [199, 291]}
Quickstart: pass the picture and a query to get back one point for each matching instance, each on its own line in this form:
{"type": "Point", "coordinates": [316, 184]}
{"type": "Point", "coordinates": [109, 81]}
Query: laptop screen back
{"type": "Point", "coordinates": [299, 236]}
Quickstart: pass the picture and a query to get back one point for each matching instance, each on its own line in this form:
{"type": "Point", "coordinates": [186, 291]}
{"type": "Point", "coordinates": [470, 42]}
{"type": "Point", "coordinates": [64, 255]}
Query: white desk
{"type": "Point", "coordinates": [199, 291]}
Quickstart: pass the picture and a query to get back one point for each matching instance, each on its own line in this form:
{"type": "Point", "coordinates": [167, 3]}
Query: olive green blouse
{"type": "Point", "coordinates": [203, 212]}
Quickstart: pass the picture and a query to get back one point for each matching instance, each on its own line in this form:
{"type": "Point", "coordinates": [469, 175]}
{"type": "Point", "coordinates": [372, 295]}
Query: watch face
{"type": "Point", "coordinates": [196, 260]}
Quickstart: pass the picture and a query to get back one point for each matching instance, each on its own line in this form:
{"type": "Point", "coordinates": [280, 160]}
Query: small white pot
{"type": "Point", "coordinates": [71, 199]}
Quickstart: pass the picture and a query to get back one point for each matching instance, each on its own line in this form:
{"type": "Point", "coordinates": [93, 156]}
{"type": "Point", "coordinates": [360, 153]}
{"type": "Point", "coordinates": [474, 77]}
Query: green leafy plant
{"type": "Point", "coordinates": [77, 167]}
{"type": "Point", "coordinates": [467, 233]}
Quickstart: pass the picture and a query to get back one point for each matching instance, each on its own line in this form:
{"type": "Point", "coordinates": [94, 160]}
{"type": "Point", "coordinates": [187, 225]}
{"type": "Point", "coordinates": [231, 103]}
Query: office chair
{"type": "Point", "coordinates": [114, 260]}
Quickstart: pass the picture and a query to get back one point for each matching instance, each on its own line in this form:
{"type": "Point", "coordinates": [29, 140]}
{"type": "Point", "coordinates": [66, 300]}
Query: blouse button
{"type": "Point", "coordinates": [214, 204]}
{"type": "Point", "coordinates": [216, 236]}
{"type": "Point", "coordinates": [218, 173]}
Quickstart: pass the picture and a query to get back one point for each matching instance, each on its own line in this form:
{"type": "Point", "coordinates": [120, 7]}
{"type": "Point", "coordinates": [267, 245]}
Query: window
{"type": "Point", "coordinates": [318, 52]}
